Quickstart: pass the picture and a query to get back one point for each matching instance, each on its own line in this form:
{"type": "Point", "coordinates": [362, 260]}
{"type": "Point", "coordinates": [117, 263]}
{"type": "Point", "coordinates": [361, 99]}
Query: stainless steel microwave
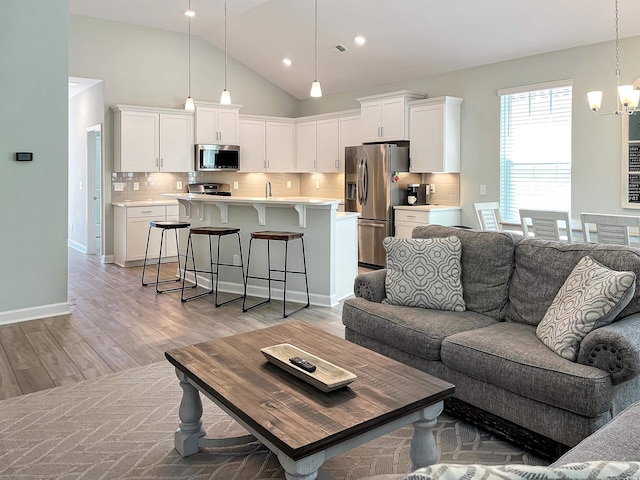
{"type": "Point", "coordinates": [217, 157]}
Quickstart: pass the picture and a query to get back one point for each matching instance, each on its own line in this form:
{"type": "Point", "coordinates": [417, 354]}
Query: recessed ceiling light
{"type": "Point", "coordinates": [287, 62]}
{"type": "Point", "coordinates": [190, 13]}
{"type": "Point", "coordinates": [360, 40]}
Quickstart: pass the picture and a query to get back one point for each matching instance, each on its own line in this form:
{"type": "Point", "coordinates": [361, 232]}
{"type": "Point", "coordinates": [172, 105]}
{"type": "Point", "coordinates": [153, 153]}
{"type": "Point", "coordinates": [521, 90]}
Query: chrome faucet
{"type": "Point", "coordinates": [268, 192]}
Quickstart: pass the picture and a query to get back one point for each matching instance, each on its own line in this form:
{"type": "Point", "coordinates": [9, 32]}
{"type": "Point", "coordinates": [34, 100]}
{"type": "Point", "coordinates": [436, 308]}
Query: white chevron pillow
{"type": "Point", "coordinates": [591, 297]}
{"type": "Point", "coordinates": [424, 272]}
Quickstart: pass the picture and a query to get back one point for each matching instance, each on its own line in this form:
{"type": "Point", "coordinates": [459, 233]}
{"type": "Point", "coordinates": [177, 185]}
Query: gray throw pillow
{"type": "Point", "coordinates": [591, 297]}
{"type": "Point", "coordinates": [597, 470]}
{"type": "Point", "coordinates": [424, 272]}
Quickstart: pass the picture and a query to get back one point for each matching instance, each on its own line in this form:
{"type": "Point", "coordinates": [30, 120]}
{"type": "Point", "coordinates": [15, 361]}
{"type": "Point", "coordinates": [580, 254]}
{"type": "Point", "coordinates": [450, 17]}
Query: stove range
{"type": "Point", "coordinates": [223, 189]}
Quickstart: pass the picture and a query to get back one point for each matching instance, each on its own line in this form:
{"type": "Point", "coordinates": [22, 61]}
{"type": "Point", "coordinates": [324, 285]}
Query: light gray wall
{"type": "Point", "coordinates": [596, 140]}
{"type": "Point", "coordinates": [33, 195]}
{"type": "Point", "coordinates": [85, 110]}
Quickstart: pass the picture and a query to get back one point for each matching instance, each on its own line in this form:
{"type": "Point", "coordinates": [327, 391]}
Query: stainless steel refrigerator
{"type": "Point", "coordinates": [371, 191]}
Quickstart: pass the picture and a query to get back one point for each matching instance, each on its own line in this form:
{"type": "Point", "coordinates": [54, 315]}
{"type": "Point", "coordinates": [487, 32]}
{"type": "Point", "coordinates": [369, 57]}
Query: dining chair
{"type": "Point", "coordinates": [546, 224]}
{"type": "Point", "coordinates": [612, 229]}
{"type": "Point", "coordinates": [489, 216]}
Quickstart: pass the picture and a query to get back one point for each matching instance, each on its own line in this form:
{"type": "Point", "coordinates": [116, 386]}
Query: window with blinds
{"type": "Point", "coordinates": [535, 149]}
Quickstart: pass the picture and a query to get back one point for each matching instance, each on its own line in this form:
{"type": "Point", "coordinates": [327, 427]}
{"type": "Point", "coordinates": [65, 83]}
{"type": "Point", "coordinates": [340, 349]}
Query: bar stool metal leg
{"type": "Point", "coordinates": [163, 226]}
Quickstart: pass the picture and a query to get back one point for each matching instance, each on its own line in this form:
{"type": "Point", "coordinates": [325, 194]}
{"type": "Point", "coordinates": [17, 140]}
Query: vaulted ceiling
{"type": "Point", "coordinates": [406, 39]}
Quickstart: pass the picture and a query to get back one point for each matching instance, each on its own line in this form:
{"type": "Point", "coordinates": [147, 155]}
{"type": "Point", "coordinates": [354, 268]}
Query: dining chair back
{"type": "Point", "coordinates": [612, 229]}
{"type": "Point", "coordinates": [546, 224]}
{"type": "Point", "coordinates": [489, 216]}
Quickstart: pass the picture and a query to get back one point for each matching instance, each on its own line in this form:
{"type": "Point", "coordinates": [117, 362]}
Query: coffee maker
{"type": "Point", "coordinates": [418, 193]}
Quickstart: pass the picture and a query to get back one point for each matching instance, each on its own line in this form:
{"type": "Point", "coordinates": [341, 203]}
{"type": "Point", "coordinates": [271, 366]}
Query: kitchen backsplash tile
{"type": "Point", "coordinates": [447, 188]}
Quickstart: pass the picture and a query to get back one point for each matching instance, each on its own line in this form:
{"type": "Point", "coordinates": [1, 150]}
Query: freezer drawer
{"type": "Point", "coordinates": [370, 237]}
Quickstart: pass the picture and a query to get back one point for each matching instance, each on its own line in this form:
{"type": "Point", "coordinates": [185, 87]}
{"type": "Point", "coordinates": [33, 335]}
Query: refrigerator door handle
{"type": "Point", "coordinates": [365, 181]}
{"type": "Point", "coordinates": [370, 224]}
{"type": "Point", "coordinates": [360, 197]}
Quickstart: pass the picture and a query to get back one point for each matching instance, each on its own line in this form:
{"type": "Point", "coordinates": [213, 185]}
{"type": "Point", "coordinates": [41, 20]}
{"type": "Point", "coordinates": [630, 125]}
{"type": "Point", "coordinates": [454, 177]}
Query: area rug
{"type": "Point", "coordinates": [122, 425]}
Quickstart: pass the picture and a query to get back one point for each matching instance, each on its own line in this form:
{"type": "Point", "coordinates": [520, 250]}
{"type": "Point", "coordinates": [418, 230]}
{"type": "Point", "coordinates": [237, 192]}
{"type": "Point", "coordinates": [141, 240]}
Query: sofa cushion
{"type": "Point", "coordinates": [541, 267]}
{"type": "Point", "coordinates": [416, 331]}
{"type": "Point", "coordinates": [424, 272]}
{"type": "Point", "coordinates": [591, 297]}
{"type": "Point", "coordinates": [597, 470]}
{"type": "Point", "coordinates": [510, 356]}
{"type": "Point", "coordinates": [487, 262]}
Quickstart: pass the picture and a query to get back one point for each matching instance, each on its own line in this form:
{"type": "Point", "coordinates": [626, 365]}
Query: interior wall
{"type": "Point", "coordinates": [596, 140]}
{"type": "Point", "coordinates": [85, 110]}
{"type": "Point", "coordinates": [33, 195]}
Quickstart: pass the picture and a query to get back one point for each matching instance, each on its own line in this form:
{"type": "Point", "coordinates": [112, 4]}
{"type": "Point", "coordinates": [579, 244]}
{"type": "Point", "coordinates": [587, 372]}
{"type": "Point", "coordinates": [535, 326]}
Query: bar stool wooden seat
{"type": "Point", "coordinates": [279, 236]}
{"type": "Point", "coordinates": [164, 225]}
{"type": "Point", "coordinates": [218, 233]}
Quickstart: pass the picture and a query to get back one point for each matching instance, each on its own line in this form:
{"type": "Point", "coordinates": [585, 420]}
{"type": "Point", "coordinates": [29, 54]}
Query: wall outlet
{"type": "Point", "coordinates": [179, 185]}
{"type": "Point", "coordinates": [118, 187]}
{"type": "Point", "coordinates": [136, 185]}
{"type": "Point", "coordinates": [483, 189]}
{"type": "Point", "coordinates": [432, 188]}
{"type": "Point", "coordinates": [235, 185]}
{"type": "Point", "coordinates": [236, 259]}
{"type": "Point", "coordinates": [288, 183]}
{"type": "Point", "coordinates": [317, 184]}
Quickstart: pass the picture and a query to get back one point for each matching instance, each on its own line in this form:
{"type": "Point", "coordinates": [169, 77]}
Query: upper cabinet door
{"type": "Point", "coordinates": [176, 143]}
{"type": "Point", "coordinates": [279, 146]}
{"type": "Point", "coordinates": [136, 141]}
{"type": "Point", "coordinates": [306, 144]}
{"type": "Point", "coordinates": [394, 119]}
{"type": "Point", "coordinates": [327, 144]}
{"type": "Point", "coordinates": [350, 135]}
{"type": "Point", "coordinates": [435, 135]}
{"type": "Point", "coordinates": [228, 126]}
{"type": "Point", "coordinates": [371, 121]}
{"type": "Point", "coordinates": [252, 145]}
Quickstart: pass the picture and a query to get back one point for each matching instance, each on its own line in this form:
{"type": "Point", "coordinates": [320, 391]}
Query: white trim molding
{"type": "Point", "coordinates": [34, 313]}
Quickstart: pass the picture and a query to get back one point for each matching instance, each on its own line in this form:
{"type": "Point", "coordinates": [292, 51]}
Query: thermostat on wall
{"type": "Point", "coordinates": [24, 156]}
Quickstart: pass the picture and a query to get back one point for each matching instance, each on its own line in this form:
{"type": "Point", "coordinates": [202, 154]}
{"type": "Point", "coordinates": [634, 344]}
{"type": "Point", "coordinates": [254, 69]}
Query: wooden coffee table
{"type": "Point", "coordinates": [300, 424]}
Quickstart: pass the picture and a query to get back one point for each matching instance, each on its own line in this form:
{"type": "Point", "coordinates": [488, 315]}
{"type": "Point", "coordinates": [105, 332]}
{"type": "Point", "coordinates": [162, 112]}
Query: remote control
{"type": "Point", "coordinates": [303, 364]}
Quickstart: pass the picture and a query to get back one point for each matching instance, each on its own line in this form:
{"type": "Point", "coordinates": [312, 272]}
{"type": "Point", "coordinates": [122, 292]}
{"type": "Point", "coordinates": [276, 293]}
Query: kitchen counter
{"type": "Point", "coordinates": [145, 203]}
{"type": "Point", "coordinates": [330, 239]}
{"type": "Point", "coordinates": [426, 208]}
{"type": "Point", "coordinates": [407, 217]}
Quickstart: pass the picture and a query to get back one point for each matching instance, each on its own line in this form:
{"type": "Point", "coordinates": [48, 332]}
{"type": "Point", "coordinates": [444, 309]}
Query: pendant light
{"type": "Point", "coordinates": [225, 98]}
{"type": "Point", "coordinates": [316, 90]}
{"type": "Point", "coordinates": [189, 104]}
{"type": "Point", "coordinates": [628, 97]}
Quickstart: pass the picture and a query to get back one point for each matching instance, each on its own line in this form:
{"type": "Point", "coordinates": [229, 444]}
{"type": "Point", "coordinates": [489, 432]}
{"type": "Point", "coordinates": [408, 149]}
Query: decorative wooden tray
{"type": "Point", "coordinates": [326, 377]}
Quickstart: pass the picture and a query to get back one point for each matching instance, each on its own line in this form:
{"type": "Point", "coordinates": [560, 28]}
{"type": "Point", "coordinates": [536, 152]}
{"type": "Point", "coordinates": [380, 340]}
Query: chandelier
{"type": "Point", "coordinates": [627, 95]}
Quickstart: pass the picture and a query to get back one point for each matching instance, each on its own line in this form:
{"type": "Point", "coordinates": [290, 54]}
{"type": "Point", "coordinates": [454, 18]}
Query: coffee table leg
{"type": "Point", "coordinates": [187, 437]}
{"type": "Point", "coordinates": [423, 445]}
{"type": "Point", "coordinates": [304, 469]}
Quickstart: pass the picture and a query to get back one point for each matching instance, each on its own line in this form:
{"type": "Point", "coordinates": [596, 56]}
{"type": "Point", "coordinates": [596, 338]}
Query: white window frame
{"type": "Point", "coordinates": [551, 175]}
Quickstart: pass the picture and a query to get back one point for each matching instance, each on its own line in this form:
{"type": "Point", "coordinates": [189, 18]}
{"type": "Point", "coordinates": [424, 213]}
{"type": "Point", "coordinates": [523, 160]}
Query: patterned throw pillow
{"type": "Point", "coordinates": [424, 272]}
{"type": "Point", "coordinates": [587, 470]}
{"type": "Point", "coordinates": [591, 297]}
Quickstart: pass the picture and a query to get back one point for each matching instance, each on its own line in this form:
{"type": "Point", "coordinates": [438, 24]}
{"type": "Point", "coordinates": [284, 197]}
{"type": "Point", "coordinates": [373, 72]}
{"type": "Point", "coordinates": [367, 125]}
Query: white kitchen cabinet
{"type": "Point", "coordinates": [386, 117]}
{"type": "Point", "coordinates": [434, 133]}
{"type": "Point", "coordinates": [350, 135]}
{"type": "Point", "coordinates": [152, 140]}
{"type": "Point", "coordinates": [266, 145]}
{"type": "Point", "coordinates": [217, 124]}
{"type": "Point", "coordinates": [131, 227]}
{"type": "Point", "coordinates": [317, 144]}
{"type": "Point", "coordinates": [409, 217]}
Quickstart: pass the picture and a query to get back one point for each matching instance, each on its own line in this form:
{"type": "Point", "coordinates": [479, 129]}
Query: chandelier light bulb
{"type": "Point", "coordinates": [225, 98]}
{"type": "Point", "coordinates": [595, 100]}
{"type": "Point", "coordinates": [316, 90]}
{"type": "Point", "coordinates": [189, 104]}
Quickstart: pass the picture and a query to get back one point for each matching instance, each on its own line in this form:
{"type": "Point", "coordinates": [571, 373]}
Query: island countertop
{"type": "Point", "coordinates": [200, 197]}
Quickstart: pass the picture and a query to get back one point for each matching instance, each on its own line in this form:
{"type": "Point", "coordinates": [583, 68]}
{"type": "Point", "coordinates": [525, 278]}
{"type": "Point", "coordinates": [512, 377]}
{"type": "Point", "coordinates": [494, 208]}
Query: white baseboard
{"type": "Point", "coordinates": [34, 313]}
{"type": "Point", "coordinates": [107, 259]}
{"type": "Point", "coordinates": [77, 246]}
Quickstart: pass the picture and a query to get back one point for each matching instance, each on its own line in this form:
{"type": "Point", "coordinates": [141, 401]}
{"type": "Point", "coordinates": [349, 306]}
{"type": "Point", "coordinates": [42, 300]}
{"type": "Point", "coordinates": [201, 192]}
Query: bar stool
{"type": "Point", "coordinates": [164, 225]}
{"type": "Point", "coordinates": [281, 237]}
{"type": "Point", "coordinates": [210, 232]}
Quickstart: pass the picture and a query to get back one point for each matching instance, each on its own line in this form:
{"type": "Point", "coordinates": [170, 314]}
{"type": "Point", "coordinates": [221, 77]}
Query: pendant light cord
{"type": "Point", "coordinates": [189, 50]}
{"type": "Point", "coordinates": [617, 48]}
{"type": "Point", "coordinates": [225, 44]}
{"type": "Point", "coordinates": [316, 40]}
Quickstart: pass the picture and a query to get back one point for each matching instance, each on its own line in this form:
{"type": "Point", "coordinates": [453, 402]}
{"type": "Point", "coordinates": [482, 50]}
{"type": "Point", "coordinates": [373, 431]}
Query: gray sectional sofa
{"type": "Point", "coordinates": [506, 379]}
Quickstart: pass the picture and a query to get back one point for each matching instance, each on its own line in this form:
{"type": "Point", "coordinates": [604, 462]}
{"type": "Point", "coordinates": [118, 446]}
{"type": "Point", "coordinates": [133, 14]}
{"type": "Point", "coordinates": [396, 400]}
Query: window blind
{"type": "Point", "coordinates": [535, 150]}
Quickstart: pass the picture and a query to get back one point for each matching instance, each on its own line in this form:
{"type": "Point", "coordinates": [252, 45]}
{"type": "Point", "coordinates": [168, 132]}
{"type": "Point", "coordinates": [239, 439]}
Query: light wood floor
{"type": "Point", "coordinates": [116, 324]}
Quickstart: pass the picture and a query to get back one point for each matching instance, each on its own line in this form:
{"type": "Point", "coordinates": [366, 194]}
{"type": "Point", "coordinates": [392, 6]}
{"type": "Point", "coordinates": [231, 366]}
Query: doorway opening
{"type": "Point", "coordinates": [94, 192]}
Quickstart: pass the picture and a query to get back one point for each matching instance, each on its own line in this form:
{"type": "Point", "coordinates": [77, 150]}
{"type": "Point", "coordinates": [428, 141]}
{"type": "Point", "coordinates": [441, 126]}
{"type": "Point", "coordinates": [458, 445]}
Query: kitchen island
{"type": "Point", "coordinates": [331, 243]}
